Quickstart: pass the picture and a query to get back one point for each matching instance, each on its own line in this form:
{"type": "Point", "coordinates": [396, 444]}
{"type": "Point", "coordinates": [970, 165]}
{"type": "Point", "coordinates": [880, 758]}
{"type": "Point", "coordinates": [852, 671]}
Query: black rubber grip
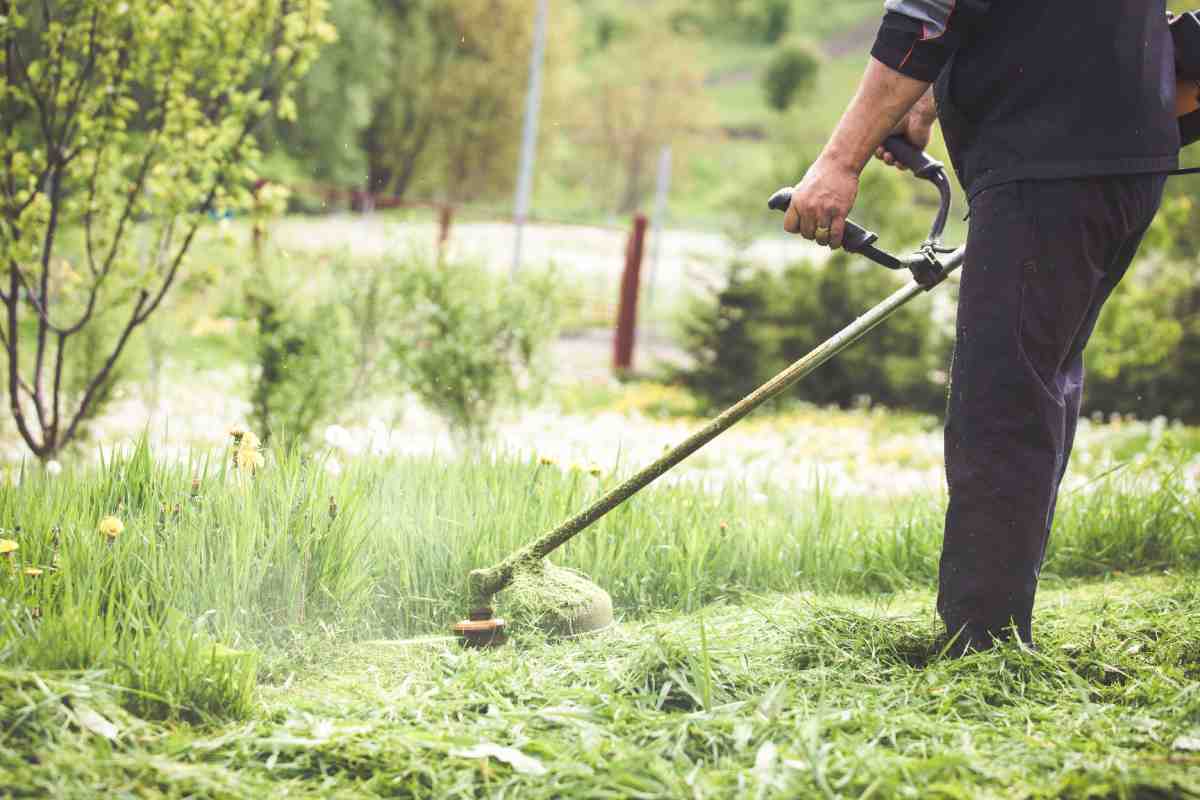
{"type": "Point", "coordinates": [855, 236]}
{"type": "Point", "coordinates": [911, 157]}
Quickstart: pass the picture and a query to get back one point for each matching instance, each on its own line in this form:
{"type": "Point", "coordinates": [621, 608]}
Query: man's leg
{"type": "Point", "coordinates": [1130, 202]}
{"type": "Point", "coordinates": [1041, 259]}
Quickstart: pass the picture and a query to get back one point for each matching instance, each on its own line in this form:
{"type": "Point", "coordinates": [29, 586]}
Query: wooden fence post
{"type": "Point", "coordinates": [627, 306]}
{"type": "Point", "coordinates": [445, 217]}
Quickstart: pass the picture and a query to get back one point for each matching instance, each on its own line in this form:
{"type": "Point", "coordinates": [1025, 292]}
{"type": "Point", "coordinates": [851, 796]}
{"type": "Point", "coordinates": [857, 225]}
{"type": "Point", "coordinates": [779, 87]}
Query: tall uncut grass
{"type": "Point", "coordinates": [212, 569]}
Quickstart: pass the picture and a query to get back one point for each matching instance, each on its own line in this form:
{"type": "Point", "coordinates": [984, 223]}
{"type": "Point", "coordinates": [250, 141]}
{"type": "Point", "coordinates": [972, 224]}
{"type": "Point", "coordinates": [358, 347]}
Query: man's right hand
{"type": "Point", "coordinates": [916, 127]}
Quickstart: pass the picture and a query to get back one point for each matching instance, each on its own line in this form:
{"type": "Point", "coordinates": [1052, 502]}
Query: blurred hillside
{"type": "Point", "coordinates": [423, 100]}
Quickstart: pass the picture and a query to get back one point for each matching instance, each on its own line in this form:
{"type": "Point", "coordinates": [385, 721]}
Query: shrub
{"type": "Point", "coordinates": [469, 343]}
{"type": "Point", "coordinates": [723, 333]}
{"type": "Point", "coordinates": [899, 365]}
{"type": "Point", "coordinates": [303, 361]}
{"type": "Point", "coordinates": [760, 322]}
{"type": "Point", "coordinates": [791, 74]}
{"type": "Point", "coordinates": [1144, 357]}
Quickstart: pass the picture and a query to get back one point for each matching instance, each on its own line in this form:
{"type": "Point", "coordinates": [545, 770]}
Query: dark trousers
{"type": "Point", "coordinates": [1042, 258]}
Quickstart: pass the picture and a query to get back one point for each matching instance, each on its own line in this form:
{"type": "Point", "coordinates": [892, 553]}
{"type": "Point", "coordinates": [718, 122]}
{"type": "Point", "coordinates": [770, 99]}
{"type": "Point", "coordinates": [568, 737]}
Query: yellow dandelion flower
{"type": "Point", "coordinates": [33, 572]}
{"type": "Point", "coordinates": [7, 546]}
{"type": "Point", "coordinates": [111, 527]}
{"type": "Point", "coordinates": [547, 461]}
{"type": "Point", "coordinates": [247, 458]}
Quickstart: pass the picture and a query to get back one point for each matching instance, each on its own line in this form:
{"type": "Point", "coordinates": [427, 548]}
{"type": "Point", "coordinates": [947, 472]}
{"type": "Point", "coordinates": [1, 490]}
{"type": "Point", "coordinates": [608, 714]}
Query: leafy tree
{"type": "Point", "coordinates": [451, 113]}
{"type": "Point", "coordinates": [122, 125]}
{"type": "Point", "coordinates": [643, 91]}
{"type": "Point", "coordinates": [336, 100]}
{"type": "Point", "coordinates": [476, 145]}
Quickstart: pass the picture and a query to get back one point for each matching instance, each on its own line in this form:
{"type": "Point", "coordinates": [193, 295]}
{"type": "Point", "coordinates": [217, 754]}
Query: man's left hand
{"type": "Point", "coordinates": [822, 201]}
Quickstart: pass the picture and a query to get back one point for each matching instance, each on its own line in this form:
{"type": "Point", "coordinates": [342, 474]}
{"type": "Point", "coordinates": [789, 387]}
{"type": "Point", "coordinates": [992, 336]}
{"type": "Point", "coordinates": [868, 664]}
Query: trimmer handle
{"type": "Point", "coordinates": [855, 239]}
{"type": "Point", "coordinates": [908, 156]}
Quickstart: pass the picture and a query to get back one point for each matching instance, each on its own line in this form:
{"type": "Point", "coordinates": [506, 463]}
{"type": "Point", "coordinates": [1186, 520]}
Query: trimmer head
{"type": "Point", "coordinates": [559, 602]}
{"type": "Point", "coordinates": [482, 629]}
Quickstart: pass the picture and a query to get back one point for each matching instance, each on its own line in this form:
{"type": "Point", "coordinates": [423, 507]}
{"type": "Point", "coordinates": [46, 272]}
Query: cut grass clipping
{"type": "Point", "coordinates": [556, 600]}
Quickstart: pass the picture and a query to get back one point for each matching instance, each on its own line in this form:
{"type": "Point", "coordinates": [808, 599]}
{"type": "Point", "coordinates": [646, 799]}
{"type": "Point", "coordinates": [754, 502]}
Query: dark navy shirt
{"type": "Point", "coordinates": [1032, 89]}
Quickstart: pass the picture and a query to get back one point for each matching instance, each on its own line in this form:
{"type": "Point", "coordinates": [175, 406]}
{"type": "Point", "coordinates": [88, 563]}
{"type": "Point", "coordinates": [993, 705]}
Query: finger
{"type": "Point", "coordinates": [808, 224]}
{"type": "Point", "coordinates": [837, 231]}
{"type": "Point", "coordinates": [791, 220]}
{"type": "Point", "coordinates": [823, 230]}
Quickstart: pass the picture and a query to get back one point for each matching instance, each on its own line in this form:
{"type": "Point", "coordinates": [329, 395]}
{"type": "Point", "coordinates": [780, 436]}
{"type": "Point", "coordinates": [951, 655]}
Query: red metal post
{"type": "Point", "coordinates": [445, 216]}
{"type": "Point", "coordinates": [627, 307]}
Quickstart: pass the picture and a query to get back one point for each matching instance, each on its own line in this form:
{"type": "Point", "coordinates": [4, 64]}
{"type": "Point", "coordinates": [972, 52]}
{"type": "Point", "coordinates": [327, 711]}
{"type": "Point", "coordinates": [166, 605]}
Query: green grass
{"type": "Point", "coordinates": [240, 636]}
{"type": "Point", "coordinates": [384, 548]}
{"type": "Point", "coordinates": [783, 697]}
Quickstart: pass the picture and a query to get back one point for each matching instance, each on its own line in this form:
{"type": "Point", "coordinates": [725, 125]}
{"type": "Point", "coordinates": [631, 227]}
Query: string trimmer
{"type": "Point", "coordinates": [564, 602]}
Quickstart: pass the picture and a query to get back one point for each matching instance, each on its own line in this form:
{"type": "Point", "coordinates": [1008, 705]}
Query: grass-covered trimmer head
{"type": "Point", "coordinates": [563, 602]}
{"type": "Point", "coordinates": [539, 596]}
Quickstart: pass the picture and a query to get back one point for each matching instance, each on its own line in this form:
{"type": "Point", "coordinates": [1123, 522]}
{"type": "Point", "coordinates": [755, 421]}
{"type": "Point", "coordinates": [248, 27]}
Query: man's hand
{"type": "Point", "coordinates": [822, 201]}
{"type": "Point", "coordinates": [916, 127]}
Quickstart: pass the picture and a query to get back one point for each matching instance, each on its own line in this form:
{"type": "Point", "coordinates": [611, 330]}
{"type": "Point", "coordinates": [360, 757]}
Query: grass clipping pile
{"type": "Point", "coordinates": [556, 600]}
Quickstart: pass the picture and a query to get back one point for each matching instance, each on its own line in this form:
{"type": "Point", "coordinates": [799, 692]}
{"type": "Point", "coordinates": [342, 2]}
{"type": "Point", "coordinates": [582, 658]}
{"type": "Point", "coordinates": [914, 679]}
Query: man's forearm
{"type": "Point", "coordinates": [884, 96]}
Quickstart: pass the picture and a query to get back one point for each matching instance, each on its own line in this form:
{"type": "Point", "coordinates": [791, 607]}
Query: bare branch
{"type": "Point", "coordinates": [43, 296]}
{"type": "Point", "coordinates": [13, 350]}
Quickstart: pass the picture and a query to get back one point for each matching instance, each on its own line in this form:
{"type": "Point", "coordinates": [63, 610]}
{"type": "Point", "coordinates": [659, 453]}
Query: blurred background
{"type": "Point", "coordinates": [466, 221]}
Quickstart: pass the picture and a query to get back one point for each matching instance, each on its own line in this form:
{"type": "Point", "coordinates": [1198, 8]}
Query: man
{"type": "Point", "coordinates": [1060, 121]}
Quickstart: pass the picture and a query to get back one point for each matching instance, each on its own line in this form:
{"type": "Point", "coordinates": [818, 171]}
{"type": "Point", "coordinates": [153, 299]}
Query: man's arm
{"type": "Point", "coordinates": [823, 199]}
{"type": "Point", "coordinates": [915, 41]}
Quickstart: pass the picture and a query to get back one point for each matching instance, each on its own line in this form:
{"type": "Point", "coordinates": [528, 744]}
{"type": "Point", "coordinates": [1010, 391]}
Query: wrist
{"type": "Point", "coordinates": [842, 160]}
{"type": "Point", "coordinates": [925, 111]}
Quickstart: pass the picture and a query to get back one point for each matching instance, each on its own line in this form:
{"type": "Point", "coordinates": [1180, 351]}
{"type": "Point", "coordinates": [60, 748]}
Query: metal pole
{"type": "Point", "coordinates": [533, 102]}
{"type": "Point", "coordinates": [660, 218]}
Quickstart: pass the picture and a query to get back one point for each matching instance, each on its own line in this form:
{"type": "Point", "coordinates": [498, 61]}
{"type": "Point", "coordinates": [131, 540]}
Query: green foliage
{"type": "Point", "coordinates": [122, 126]}
{"type": "Point", "coordinates": [723, 335]}
{"type": "Point", "coordinates": [337, 100]}
{"type": "Point", "coordinates": [1144, 357]}
{"type": "Point", "coordinates": [303, 362]}
{"type": "Point", "coordinates": [205, 562]}
{"type": "Point", "coordinates": [469, 343]}
{"type": "Point", "coordinates": [791, 75]}
{"type": "Point", "coordinates": [896, 366]}
{"type": "Point", "coordinates": [760, 322]}
{"type": "Point", "coordinates": [452, 122]}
